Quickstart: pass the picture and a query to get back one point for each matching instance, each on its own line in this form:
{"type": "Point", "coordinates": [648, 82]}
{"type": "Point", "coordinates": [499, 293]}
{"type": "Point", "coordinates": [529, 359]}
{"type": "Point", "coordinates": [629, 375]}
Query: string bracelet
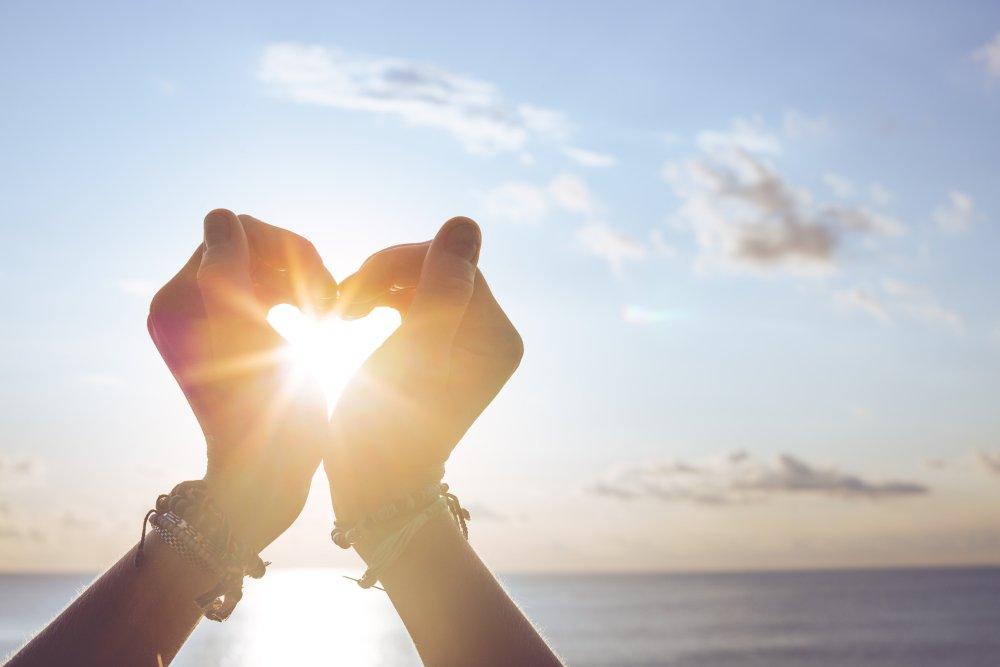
{"type": "Point", "coordinates": [392, 527]}
{"type": "Point", "coordinates": [191, 524]}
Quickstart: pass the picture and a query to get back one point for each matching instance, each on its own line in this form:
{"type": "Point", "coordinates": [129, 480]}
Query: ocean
{"type": "Point", "coordinates": [878, 618]}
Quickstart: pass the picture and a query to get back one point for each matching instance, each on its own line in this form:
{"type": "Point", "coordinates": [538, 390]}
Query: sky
{"type": "Point", "coordinates": [752, 250]}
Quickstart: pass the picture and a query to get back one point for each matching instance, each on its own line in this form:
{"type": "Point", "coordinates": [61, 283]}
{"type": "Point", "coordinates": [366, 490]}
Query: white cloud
{"type": "Point", "coordinates": [571, 193]}
{"type": "Point", "coordinates": [517, 202]}
{"type": "Point", "coordinates": [473, 111]}
{"type": "Point", "coordinates": [546, 123]}
{"type": "Point", "coordinates": [615, 247]}
{"type": "Point", "coordinates": [839, 185]}
{"type": "Point", "coordinates": [920, 304]}
{"type": "Point", "coordinates": [989, 55]}
{"type": "Point", "coordinates": [744, 214]}
{"type": "Point", "coordinates": [897, 300]}
{"type": "Point", "coordinates": [588, 158]}
{"type": "Point", "coordinates": [749, 134]}
{"type": "Point", "coordinates": [740, 478]}
{"type": "Point", "coordinates": [956, 216]}
{"type": "Point", "coordinates": [864, 301]}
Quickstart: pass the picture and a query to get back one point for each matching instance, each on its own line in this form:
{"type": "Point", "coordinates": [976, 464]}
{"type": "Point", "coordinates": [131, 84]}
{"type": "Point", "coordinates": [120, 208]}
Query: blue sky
{"type": "Point", "coordinates": [752, 251]}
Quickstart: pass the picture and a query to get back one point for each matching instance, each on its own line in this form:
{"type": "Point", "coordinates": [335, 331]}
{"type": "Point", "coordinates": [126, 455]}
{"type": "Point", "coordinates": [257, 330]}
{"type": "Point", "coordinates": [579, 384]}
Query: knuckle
{"type": "Point", "coordinates": [515, 349]}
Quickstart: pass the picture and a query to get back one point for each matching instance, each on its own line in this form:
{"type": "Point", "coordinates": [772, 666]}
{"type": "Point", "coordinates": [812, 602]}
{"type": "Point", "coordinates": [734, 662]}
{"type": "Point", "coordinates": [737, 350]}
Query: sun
{"type": "Point", "coordinates": [331, 349]}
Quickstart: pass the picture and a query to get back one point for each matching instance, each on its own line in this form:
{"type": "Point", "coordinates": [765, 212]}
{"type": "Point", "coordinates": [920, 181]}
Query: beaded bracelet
{"type": "Point", "coordinates": [189, 522]}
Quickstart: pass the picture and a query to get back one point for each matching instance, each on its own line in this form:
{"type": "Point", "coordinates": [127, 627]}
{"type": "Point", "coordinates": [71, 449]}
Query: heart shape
{"type": "Point", "coordinates": [329, 348]}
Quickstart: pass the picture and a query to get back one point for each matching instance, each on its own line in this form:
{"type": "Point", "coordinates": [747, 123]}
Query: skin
{"type": "Point", "coordinates": [401, 418]}
{"type": "Point", "coordinates": [266, 430]}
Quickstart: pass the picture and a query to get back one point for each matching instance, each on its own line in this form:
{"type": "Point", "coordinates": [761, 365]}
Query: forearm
{"type": "Point", "coordinates": [454, 609]}
{"type": "Point", "coordinates": [129, 616]}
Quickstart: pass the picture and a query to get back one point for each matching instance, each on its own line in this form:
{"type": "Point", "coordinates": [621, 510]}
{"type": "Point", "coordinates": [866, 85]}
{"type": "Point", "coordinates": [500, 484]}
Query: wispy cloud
{"type": "Point", "coordinates": [862, 300]}
{"type": "Point", "coordinates": [956, 216]}
{"type": "Point", "coordinates": [749, 134]}
{"type": "Point", "coordinates": [615, 247]}
{"type": "Point", "coordinates": [838, 185]}
{"type": "Point", "coordinates": [472, 110]}
{"type": "Point", "coordinates": [517, 202]}
{"type": "Point", "coordinates": [572, 194]}
{"type": "Point", "coordinates": [895, 299]}
{"type": "Point", "coordinates": [989, 55]}
{"type": "Point", "coordinates": [589, 158]}
{"type": "Point", "coordinates": [744, 213]}
{"type": "Point", "coordinates": [739, 478]}
{"type": "Point", "coordinates": [920, 304]}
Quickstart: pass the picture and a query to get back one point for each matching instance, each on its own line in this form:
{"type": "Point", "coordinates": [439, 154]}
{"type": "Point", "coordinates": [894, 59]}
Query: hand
{"type": "Point", "coordinates": [416, 396]}
{"type": "Point", "coordinates": [263, 422]}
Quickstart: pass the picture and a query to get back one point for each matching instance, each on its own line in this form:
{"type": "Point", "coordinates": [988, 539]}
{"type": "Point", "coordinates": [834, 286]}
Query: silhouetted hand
{"type": "Point", "coordinates": [416, 396]}
{"type": "Point", "coordinates": [263, 421]}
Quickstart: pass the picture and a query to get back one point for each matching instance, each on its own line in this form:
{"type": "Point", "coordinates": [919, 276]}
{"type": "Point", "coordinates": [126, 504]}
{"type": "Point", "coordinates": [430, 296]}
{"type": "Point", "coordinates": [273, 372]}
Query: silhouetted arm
{"type": "Point", "coordinates": [129, 616]}
{"type": "Point", "coordinates": [453, 607]}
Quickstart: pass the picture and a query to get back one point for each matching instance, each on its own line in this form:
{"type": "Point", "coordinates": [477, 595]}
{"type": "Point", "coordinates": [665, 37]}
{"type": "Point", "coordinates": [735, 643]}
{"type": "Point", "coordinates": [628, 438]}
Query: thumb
{"type": "Point", "coordinates": [446, 283]}
{"type": "Point", "coordinates": [224, 279]}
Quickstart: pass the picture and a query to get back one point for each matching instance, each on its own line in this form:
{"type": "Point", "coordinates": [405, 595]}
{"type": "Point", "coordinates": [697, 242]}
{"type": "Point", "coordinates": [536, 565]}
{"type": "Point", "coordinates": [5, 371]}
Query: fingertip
{"type": "Point", "coordinates": [461, 236]}
{"type": "Point", "coordinates": [219, 224]}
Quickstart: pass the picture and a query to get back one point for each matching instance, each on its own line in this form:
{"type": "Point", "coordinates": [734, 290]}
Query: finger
{"type": "Point", "coordinates": [176, 321]}
{"type": "Point", "coordinates": [287, 267]}
{"type": "Point", "coordinates": [447, 282]}
{"type": "Point", "coordinates": [226, 289]}
{"type": "Point", "coordinates": [396, 267]}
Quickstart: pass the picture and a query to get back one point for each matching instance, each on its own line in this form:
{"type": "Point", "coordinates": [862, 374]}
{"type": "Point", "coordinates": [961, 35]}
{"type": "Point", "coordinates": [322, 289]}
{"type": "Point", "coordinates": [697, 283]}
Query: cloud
{"type": "Point", "coordinates": [738, 478]}
{"type": "Point", "coordinates": [615, 247]}
{"type": "Point", "coordinates": [572, 194]}
{"type": "Point", "coordinates": [920, 304]}
{"type": "Point", "coordinates": [748, 134]}
{"type": "Point", "coordinates": [989, 55]}
{"type": "Point", "coordinates": [744, 214]}
{"type": "Point", "coordinates": [471, 110]}
{"type": "Point", "coordinates": [839, 185]}
{"type": "Point", "coordinates": [956, 216]}
{"type": "Point", "coordinates": [991, 460]}
{"type": "Point", "coordinates": [896, 300]}
{"type": "Point", "coordinates": [517, 202]}
{"type": "Point", "coordinates": [864, 301]}
{"type": "Point", "coordinates": [588, 158]}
